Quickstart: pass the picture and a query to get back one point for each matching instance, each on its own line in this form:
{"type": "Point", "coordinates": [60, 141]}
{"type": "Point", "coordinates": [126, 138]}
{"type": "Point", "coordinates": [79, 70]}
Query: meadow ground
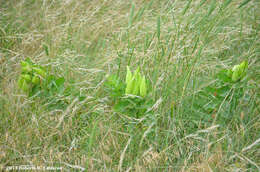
{"type": "Point", "coordinates": [193, 121]}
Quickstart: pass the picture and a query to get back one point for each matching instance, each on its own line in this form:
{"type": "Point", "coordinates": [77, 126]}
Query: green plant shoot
{"type": "Point", "coordinates": [135, 84]}
{"type": "Point", "coordinates": [238, 71]}
{"type": "Point", "coordinates": [31, 75]}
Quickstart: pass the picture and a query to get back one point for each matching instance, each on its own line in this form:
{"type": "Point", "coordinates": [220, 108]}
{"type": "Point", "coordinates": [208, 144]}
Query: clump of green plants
{"type": "Point", "coordinates": [223, 95]}
{"type": "Point", "coordinates": [237, 72]}
{"type": "Point", "coordinates": [36, 81]}
{"type": "Point", "coordinates": [129, 97]}
{"type": "Point", "coordinates": [135, 83]}
{"type": "Point", "coordinates": [32, 76]}
{"type": "Point", "coordinates": [35, 78]}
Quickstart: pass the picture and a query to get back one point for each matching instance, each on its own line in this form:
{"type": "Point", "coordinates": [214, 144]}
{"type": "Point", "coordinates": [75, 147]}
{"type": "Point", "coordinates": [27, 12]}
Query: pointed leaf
{"type": "Point", "coordinates": [143, 88]}
{"type": "Point", "coordinates": [36, 80]}
{"type": "Point", "coordinates": [128, 75]}
{"type": "Point", "coordinates": [27, 77]}
{"type": "Point", "coordinates": [130, 87]}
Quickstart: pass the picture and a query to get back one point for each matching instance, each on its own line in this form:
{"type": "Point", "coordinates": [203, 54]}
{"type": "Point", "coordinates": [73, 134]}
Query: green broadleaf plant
{"type": "Point", "coordinates": [31, 76]}
{"type": "Point", "coordinates": [228, 89]}
{"type": "Point", "coordinates": [35, 80]}
{"type": "Point", "coordinates": [238, 71]}
{"type": "Point", "coordinates": [131, 95]}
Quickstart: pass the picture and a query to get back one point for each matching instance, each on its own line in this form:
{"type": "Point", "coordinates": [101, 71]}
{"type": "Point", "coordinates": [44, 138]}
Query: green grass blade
{"type": "Point", "coordinates": [244, 3]}
{"type": "Point", "coordinates": [158, 27]}
{"type": "Point", "coordinates": [212, 7]}
{"type": "Point", "coordinates": [202, 2]}
{"type": "Point", "coordinates": [186, 7]}
{"type": "Point", "coordinates": [225, 4]}
{"type": "Point", "coordinates": [130, 23]}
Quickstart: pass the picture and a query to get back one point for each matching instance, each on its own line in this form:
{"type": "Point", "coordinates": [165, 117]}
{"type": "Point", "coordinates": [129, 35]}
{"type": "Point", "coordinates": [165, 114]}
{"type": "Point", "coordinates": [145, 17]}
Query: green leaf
{"type": "Point", "coordinates": [26, 86]}
{"type": "Point", "coordinates": [229, 73]}
{"type": "Point", "coordinates": [225, 75]}
{"type": "Point", "coordinates": [35, 89]}
{"type": "Point", "coordinates": [46, 49]}
{"type": "Point", "coordinates": [212, 7]}
{"type": "Point", "coordinates": [158, 27]}
{"type": "Point", "coordinates": [23, 84]}
{"type": "Point", "coordinates": [24, 63]}
{"type": "Point", "coordinates": [236, 67]}
{"type": "Point", "coordinates": [60, 82]}
{"type": "Point", "coordinates": [244, 66]}
{"type": "Point", "coordinates": [137, 84]}
{"type": "Point", "coordinates": [121, 106]}
{"type": "Point", "coordinates": [81, 98]}
{"type": "Point", "coordinates": [235, 76]}
{"type": "Point", "coordinates": [20, 82]}
{"type": "Point", "coordinates": [244, 3]}
{"type": "Point", "coordinates": [225, 4]}
{"type": "Point", "coordinates": [130, 22]}
{"type": "Point", "coordinates": [128, 75]}
{"type": "Point", "coordinates": [239, 71]}
{"type": "Point", "coordinates": [186, 7]}
{"type": "Point", "coordinates": [137, 71]}
{"type": "Point", "coordinates": [26, 67]}
{"type": "Point", "coordinates": [36, 80]}
{"type": "Point", "coordinates": [29, 61]}
{"type": "Point", "coordinates": [143, 88]}
{"type": "Point", "coordinates": [39, 71]}
{"type": "Point", "coordinates": [130, 87]}
{"type": "Point", "coordinates": [136, 88]}
{"type": "Point", "coordinates": [114, 86]}
{"type": "Point", "coordinates": [27, 77]}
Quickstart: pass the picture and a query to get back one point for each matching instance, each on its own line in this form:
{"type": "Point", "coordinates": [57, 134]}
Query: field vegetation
{"type": "Point", "coordinates": [142, 85]}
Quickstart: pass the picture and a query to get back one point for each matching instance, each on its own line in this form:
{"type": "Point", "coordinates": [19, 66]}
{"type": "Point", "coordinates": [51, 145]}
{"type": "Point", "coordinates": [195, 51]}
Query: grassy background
{"type": "Point", "coordinates": [179, 45]}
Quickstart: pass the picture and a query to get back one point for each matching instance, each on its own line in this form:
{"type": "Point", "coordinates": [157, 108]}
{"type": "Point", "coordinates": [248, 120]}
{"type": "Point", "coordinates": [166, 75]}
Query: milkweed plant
{"type": "Point", "coordinates": [36, 81]}
{"type": "Point", "coordinates": [31, 76]}
{"type": "Point", "coordinates": [131, 96]}
{"type": "Point", "coordinates": [135, 83]}
{"type": "Point", "coordinates": [224, 94]}
{"type": "Point", "coordinates": [238, 71]}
